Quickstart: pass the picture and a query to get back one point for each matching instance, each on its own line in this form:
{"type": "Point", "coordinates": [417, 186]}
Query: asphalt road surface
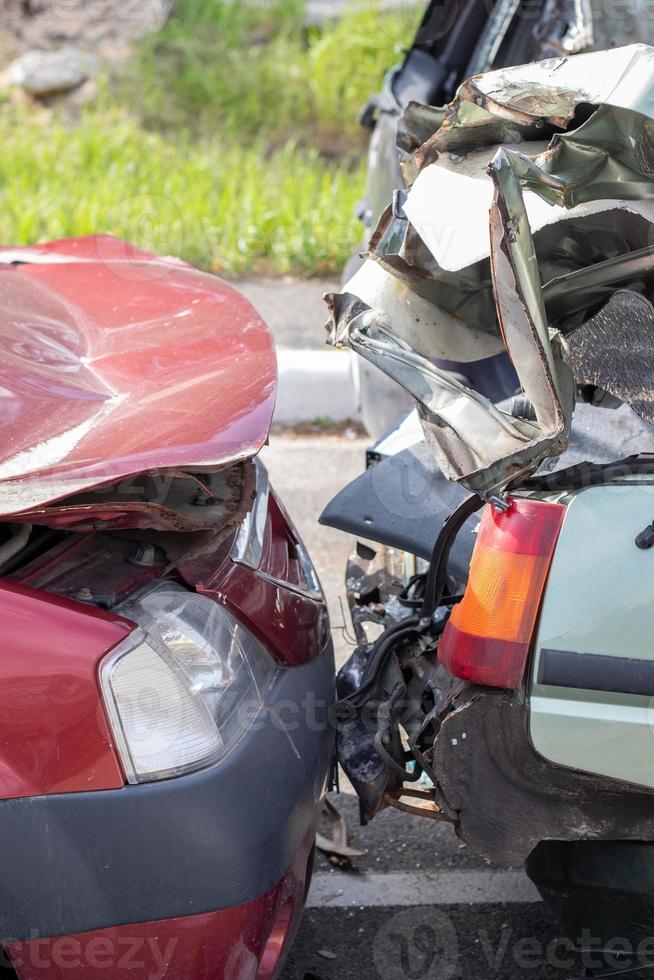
{"type": "Point", "coordinates": [419, 905]}
{"type": "Point", "coordinates": [293, 309]}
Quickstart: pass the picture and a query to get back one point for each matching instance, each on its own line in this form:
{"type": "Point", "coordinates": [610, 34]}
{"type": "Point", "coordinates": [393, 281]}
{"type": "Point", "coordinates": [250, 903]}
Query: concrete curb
{"type": "Point", "coordinates": [315, 384]}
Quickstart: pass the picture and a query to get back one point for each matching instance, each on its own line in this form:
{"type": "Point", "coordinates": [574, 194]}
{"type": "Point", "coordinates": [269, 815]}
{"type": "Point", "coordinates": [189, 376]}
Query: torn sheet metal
{"type": "Point", "coordinates": [576, 243]}
{"type": "Point", "coordinates": [336, 847]}
{"type": "Point", "coordinates": [467, 295]}
{"type": "Point", "coordinates": [501, 106]}
{"type": "Point", "coordinates": [453, 233]}
{"type": "Point", "coordinates": [426, 327]}
{"type": "Point", "coordinates": [445, 405]}
{"type": "Point", "coordinates": [507, 242]}
{"type": "Point", "coordinates": [552, 90]}
{"type": "Point", "coordinates": [177, 501]}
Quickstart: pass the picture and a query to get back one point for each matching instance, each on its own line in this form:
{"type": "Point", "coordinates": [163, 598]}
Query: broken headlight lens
{"type": "Point", "coordinates": [185, 686]}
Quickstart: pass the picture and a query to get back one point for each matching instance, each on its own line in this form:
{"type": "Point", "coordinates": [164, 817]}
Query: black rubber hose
{"type": "Point", "coordinates": [411, 627]}
{"type": "Point", "coordinates": [437, 574]}
{"type": "Point", "coordinates": [379, 654]}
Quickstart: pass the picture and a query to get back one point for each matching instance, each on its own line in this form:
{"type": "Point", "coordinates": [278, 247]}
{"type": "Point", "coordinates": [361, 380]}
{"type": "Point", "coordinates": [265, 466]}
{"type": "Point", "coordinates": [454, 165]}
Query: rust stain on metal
{"type": "Point", "coordinates": [427, 808]}
{"type": "Point", "coordinates": [178, 501]}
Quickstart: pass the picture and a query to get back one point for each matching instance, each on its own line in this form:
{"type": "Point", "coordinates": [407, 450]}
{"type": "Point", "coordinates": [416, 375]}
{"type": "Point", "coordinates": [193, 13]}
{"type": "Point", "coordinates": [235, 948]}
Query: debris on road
{"type": "Point", "coordinates": [336, 847]}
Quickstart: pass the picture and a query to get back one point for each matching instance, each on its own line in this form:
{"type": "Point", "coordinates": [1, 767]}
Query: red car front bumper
{"type": "Point", "coordinates": [248, 942]}
{"type": "Point", "coordinates": [202, 877]}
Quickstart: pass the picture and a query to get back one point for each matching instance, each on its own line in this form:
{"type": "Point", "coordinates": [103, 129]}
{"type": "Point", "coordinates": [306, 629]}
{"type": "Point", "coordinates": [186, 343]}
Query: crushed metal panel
{"type": "Point", "coordinates": [575, 241]}
{"type": "Point", "coordinates": [531, 101]}
{"type": "Point", "coordinates": [467, 295]}
{"type": "Point", "coordinates": [461, 425]}
{"type": "Point", "coordinates": [608, 157]}
{"type": "Point", "coordinates": [533, 234]}
{"type": "Point", "coordinates": [457, 233]}
{"type": "Point", "coordinates": [417, 124]}
{"type": "Point", "coordinates": [454, 231]}
{"type": "Point", "coordinates": [552, 90]}
{"type": "Point", "coordinates": [428, 328]}
{"type": "Point", "coordinates": [473, 439]}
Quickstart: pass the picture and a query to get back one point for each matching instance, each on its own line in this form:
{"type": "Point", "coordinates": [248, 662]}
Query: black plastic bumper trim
{"type": "Point", "coordinates": [208, 841]}
{"type": "Point", "coordinates": [595, 672]}
{"type": "Point", "coordinates": [403, 502]}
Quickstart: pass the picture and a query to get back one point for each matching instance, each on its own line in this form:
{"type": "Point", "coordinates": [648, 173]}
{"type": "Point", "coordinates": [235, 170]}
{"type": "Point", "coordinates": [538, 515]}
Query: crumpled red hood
{"type": "Point", "coordinates": [114, 362]}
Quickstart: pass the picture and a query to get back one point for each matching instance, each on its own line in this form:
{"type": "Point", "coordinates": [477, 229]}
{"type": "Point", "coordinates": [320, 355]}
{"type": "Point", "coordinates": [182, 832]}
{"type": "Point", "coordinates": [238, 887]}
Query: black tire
{"type": "Point", "coordinates": [603, 889]}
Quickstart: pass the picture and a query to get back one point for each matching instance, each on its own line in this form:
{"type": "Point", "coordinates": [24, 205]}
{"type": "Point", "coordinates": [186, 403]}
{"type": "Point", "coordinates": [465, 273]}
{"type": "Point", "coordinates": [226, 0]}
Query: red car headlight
{"type": "Point", "coordinates": [185, 686]}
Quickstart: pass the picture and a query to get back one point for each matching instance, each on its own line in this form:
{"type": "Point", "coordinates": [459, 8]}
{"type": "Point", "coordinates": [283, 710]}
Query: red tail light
{"type": "Point", "coordinates": [488, 635]}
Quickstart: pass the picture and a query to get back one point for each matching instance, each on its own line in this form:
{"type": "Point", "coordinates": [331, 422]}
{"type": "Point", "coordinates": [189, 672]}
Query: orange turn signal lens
{"type": "Point", "coordinates": [489, 633]}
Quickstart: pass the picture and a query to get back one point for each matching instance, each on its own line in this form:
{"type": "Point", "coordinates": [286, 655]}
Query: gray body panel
{"type": "Point", "coordinates": [214, 839]}
{"type": "Point", "coordinates": [598, 604]}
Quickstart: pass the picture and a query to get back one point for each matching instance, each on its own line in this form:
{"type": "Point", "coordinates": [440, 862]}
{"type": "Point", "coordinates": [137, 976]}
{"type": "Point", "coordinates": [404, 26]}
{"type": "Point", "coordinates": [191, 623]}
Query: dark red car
{"type": "Point", "coordinates": [166, 663]}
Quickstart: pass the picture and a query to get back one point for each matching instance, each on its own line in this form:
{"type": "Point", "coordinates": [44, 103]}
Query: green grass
{"type": "Point", "coordinates": [252, 70]}
{"type": "Point", "coordinates": [214, 204]}
{"type": "Point", "coordinates": [230, 140]}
